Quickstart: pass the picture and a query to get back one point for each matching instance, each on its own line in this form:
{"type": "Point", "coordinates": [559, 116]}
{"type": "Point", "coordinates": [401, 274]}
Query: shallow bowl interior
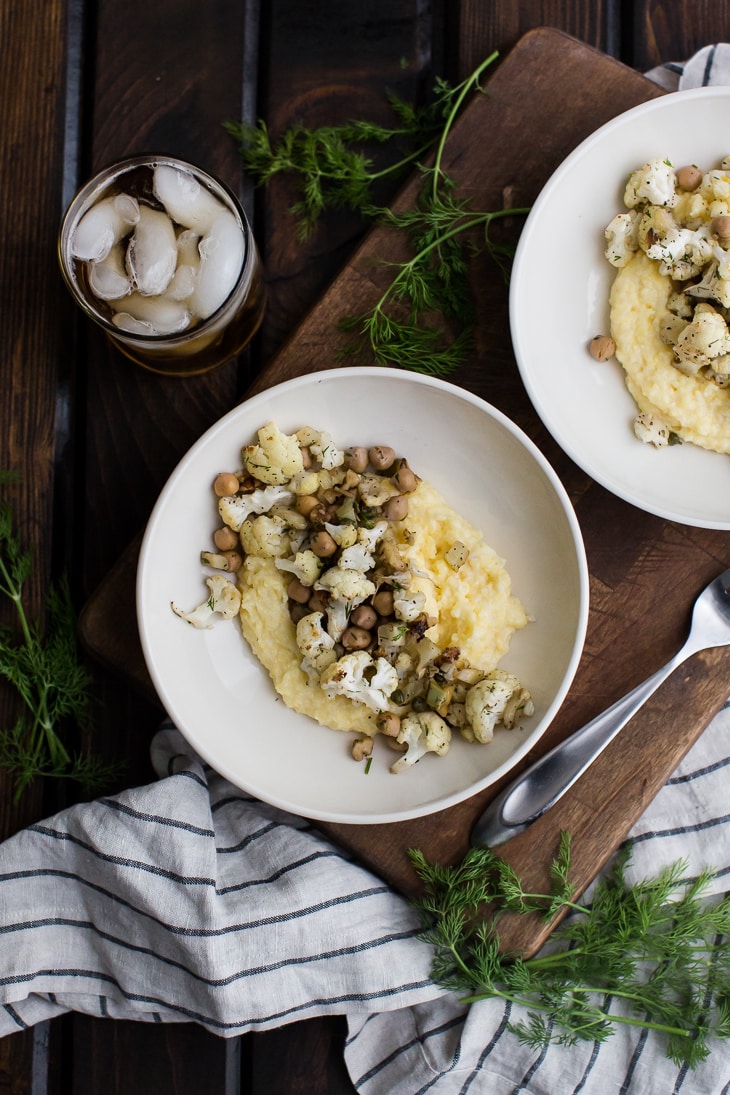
{"type": "Point", "coordinates": [220, 697]}
{"type": "Point", "coordinates": [559, 300]}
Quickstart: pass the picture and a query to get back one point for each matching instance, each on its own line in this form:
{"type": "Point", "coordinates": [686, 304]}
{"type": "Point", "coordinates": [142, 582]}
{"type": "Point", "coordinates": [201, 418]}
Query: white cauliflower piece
{"type": "Point", "coordinates": [276, 458]}
{"type": "Point", "coordinates": [714, 285]}
{"type": "Point", "coordinates": [235, 508]}
{"type": "Point", "coordinates": [325, 450]}
{"type": "Point", "coordinates": [375, 490]}
{"type": "Point", "coordinates": [498, 697]}
{"type": "Point", "coordinates": [621, 238]}
{"type": "Point", "coordinates": [371, 537]}
{"type": "Point", "coordinates": [343, 535]}
{"type": "Point", "coordinates": [423, 732]}
{"type": "Point", "coordinates": [305, 481]}
{"type": "Point", "coordinates": [715, 186]}
{"type": "Point", "coordinates": [362, 679]}
{"type": "Point", "coordinates": [651, 430]}
{"type": "Point", "coordinates": [655, 183]}
{"type": "Point", "coordinates": [338, 618]}
{"type": "Point", "coordinates": [407, 606]}
{"type": "Point", "coordinates": [224, 599]}
{"type": "Point", "coordinates": [265, 536]}
{"type": "Point", "coordinates": [346, 585]}
{"type": "Point", "coordinates": [315, 645]}
{"type": "Point", "coordinates": [305, 566]}
{"type": "Point", "coordinates": [356, 557]}
{"type": "Point", "coordinates": [704, 339]}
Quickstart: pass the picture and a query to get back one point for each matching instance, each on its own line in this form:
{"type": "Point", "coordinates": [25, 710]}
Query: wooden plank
{"type": "Point", "coordinates": [673, 32]}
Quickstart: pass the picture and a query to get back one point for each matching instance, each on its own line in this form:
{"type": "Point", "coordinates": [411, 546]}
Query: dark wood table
{"type": "Point", "coordinates": [94, 438]}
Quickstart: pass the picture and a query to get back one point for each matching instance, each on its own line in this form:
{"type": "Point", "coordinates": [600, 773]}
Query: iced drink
{"type": "Point", "coordinates": [161, 256]}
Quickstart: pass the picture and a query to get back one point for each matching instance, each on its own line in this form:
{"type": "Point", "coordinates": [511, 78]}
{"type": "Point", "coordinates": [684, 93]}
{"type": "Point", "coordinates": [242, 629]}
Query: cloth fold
{"type": "Point", "coordinates": [186, 900]}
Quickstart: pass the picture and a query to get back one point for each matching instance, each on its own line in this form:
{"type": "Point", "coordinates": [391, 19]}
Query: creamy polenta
{"type": "Point", "coordinates": [692, 409]}
{"type": "Point", "coordinates": [474, 606]}
{"type": "Point", "coordinates": [670, 302]}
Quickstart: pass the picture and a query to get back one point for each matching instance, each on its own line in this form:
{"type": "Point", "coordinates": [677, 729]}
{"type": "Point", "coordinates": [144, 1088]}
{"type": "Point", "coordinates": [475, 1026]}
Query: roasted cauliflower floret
{"type": "Point", "coordinates": [276, 458]}
{"type": "Point", "coordinates": [654, 183]}
{"type": "Point", "coordinates": [498, 697]}
{"type": "Point", "coordinates": [423, 732]}
{"type": "Point", "coordinates": [235, 508]}
{"type": "Point", "coordinates": [315, 645]}
{"type": "Point", "coordinates": [264, 535]}
{"type": "Point", "coordinates": [362, 679]}
{"type": "Point", "coordinates": [650, 429]}
{"type": "Point", "coordinates": [621, 238]}
{"type": "Point", "coordinates": [224, 600]}
{"type": "Point", "coordinates": [346, 585]}
{"type": "Point", "coordinates": [305, 566]}
{"type": "Point", "coordinates": [704, 339]}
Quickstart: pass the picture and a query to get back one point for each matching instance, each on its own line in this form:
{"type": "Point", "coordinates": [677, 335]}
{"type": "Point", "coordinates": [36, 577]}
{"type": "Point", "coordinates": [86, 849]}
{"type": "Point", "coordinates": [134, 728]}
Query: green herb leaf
{"type": "Point", "coordinates": [659, 946]}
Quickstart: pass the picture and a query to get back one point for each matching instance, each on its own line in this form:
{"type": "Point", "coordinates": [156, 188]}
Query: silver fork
{"type": "Point", "coordinates": [547, 780]}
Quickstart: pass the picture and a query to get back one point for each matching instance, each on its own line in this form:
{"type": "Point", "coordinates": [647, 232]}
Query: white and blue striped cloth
{"type": "Point", "coordinates": [188, 901]}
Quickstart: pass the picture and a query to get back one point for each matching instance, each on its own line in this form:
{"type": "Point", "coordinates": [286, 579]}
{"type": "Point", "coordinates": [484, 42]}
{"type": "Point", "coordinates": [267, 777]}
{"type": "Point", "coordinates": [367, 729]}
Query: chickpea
{"type": "Point", "coordinates": [689, 177]}
{"type": "Point", "coordinates": [356, 638]}
{"type": "Point", "coordinates": [388, 724]}
{"type": "Point", "coordinates": [404, 479]}
{"type": "Point", "coordinates": [297, 592]}
{"type": "Point", "coordinates": [721, 228]}
{"type": "Point", "coordinates": [297, 612]}
{"type": "Point", "coordinates": [357, 458]}
{"type": "Point", "coordinates": [362, 748]}
{"type": "Point", "coordinates": [381, 456]}
{"type": "Point", "coordinates": [364, 616]}
{"type": "Point", "coordinates": [306, 503]}
{"type": "Point", "coordinates": [395, 509]}
{"type": "Point", "coordinates": [383, 602]}
{"type": "Point", "coordinates": [225, 538]}
{"type": "Point", "coordinates": [225, 484]}
{"type": "Point", "coordinates": [602, 347]}
{"type": "Point", "coordinates": [318, 602]}
{"type": "Point", "coordinates": [322, 544]}
{"type": "Point", "coordinates": [235, 560]}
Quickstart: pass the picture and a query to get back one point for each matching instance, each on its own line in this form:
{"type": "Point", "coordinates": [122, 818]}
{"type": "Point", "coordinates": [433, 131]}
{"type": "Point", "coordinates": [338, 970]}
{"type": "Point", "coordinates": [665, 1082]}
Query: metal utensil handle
{"type": "Point", "coordinates": [547, 780]}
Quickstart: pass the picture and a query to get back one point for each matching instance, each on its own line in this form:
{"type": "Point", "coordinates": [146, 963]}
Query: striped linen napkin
{"type": "Point", "coordinates": [186, 900]}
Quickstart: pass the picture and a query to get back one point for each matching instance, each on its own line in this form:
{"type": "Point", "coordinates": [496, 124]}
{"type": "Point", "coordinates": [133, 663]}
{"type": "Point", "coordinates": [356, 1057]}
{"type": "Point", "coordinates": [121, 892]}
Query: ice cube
{"type": "Point", "coordinates": [108, 279]}
{"type": "Point", "coordinates": [163, 316]}
{"type": "Point", "coordinates": [184, 198]}
{"type": "Point", "coordinates": [133, 326]}
{"type": "Point", "coordinates": [182, 284]}
{"type": "Point", "coordinates": [152, 252]}
{"type": "Point", "coordinates": [221, 260]}
{"type": "Point", "coordinates": [187, 248]}
{"type": "Point", "coordinates": [102, 226]}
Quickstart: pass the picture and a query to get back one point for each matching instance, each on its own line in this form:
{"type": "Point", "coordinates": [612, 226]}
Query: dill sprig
{"type": "Point", "coordinates": [405, 327]}
{"type": "Point", "coordinates": [44, 670]}
{"type": "Point", "coordinates": [657, 947]}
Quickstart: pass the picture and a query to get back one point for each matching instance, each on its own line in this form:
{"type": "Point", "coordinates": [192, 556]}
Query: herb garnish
{"type": "Point", "coordinates": [405, 326]}
{"type": "Point", "coordinates": [45, 671]}
{"type": "Point", "coordinates": [656, 945]}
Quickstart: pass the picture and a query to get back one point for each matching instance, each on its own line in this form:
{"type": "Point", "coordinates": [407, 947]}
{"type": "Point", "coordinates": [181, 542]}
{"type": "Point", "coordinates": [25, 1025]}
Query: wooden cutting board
{"type": "Point", "coordinates": [549, 93]}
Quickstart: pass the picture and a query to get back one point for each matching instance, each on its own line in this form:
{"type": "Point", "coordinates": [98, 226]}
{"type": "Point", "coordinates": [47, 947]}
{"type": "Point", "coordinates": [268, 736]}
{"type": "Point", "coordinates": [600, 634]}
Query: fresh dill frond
{"type": "Point", "coordinates": [43, 668]}
{"type": "Point", "coordinates": [658, 947]}
{"type": "Point", "coordinates": [429, 292]}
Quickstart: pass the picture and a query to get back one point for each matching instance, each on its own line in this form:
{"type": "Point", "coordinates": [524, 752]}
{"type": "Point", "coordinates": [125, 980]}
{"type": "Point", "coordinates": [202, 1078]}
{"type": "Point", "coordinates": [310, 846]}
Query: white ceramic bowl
{"type": "Point", "coordinates": [559, 301]}
{"type": "Point", "coordinates": [219, 695]}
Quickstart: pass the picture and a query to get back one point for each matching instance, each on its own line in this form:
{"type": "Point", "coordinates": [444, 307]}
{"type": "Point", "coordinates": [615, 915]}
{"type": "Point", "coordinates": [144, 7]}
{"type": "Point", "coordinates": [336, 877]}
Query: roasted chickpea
{"type": "Point", "coordinates": [381, 456]}
{"type": "Point", "coordinates": [225, 484]}
{"type": "Point", "coordinates": [388, 724]}
{"type": "Point", "coordinates": [405, 479]}
{"type": "Point", "coordinates": [383, 602]}
{"type": "Point", "coordinates": [721, 228]}
{"type": "Point", "coordinates": [602, 347]}
{"type": "Point", "coordinates": [306, 503]}
{"type": "Point", "coordinates": [364, 616]}
{"type": "Point", "coordinates": [235, 560]}
{"type": "Point", "coordinates": [318, 601]}
{"type": "Point", "coordinates": [356, 458]}
{"type": "Point", "coordinates": [356, 638]}
{"type": "Point", "coordinates": [689, 177]}
{"type": "Point", "coordinates": [395, 509]}
{"type": "Point", "coordinates": [297, 612]}
{"type": "Point", "coordinates": [295, 591]}
{"type": "Point", "coordinates": [225, 538]}
{"type": "Point", "coordinates": [322, 544]}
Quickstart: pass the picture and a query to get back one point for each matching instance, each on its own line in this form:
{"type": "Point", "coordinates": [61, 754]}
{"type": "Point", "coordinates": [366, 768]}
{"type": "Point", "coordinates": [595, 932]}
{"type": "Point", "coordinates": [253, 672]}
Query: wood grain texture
{"type": "Point", "coordinates": [672, 30]}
